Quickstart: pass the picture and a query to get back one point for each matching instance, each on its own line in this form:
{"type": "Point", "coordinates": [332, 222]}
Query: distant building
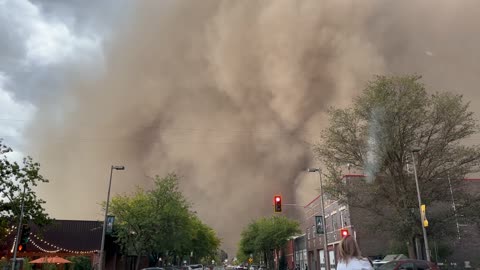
{"type": "Point", "coordinates": [376, 243]}
{"type": "Point", "coordinates": [466, 246]}
{"type": "Point", "coordinates": [63, 238]}
{"type": "Point", "coordinates": [71, 238]}
{"type": "Point", "coordinates": [339, 216]}
{"type": "Point", "coordinates": [300, 249]}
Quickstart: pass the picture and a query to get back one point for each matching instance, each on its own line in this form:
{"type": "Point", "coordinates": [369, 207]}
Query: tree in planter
{"type": "Point", "coordinates": [14, 179]}
{"type": "Point", "coordinates": [376, 135]}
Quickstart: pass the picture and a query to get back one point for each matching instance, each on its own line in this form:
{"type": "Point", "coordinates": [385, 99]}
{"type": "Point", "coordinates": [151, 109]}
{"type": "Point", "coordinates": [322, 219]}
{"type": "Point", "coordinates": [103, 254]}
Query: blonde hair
{"type": "Point", "coordinates": [348, 249]}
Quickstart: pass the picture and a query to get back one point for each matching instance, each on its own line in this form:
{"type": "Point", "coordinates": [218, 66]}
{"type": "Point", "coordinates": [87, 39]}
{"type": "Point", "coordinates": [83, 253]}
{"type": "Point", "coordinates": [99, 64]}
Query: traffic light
{"type": "Point", "coordinates": [277, 202]}
{"type": "Point", "coordinates": [344, 233]}
{"type": "Point", "coordinates": [423, 210]}
{"type": "Point", "coordinates": [24, 238]}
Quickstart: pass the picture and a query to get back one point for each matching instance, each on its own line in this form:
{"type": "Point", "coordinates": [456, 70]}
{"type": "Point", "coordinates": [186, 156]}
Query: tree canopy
{"type": "Point", "coordinates": [159, 223]}
{"type": "Point", "coordinates": [14, 178]}
{"type": "Point", "coordinates": [266, 234]}
{"type": "Point", "coordinates": [377, 134]}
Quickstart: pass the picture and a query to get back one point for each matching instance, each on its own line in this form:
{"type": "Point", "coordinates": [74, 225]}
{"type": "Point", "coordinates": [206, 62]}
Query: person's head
{"type": "Point", "coordinates": [348, 249]}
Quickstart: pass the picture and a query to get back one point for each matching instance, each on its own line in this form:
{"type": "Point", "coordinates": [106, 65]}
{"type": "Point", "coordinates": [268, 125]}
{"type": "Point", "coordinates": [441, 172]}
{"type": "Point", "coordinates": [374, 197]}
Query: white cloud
{"type": "Point", "coordinates": [14, 115]}
{"type": "Point", "coordinates": [47, 41]}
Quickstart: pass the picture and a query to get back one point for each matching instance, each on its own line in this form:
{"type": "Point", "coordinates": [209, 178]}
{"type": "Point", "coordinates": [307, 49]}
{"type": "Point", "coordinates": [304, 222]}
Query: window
{"type": "Point", "coordinates": [328, 225]}
{"type": "Point", "coordinates": [334, 222]}
{"type": "Point", "coordinates": [343, 218]}
{"type": "Point", "coordinates": [406, 266]}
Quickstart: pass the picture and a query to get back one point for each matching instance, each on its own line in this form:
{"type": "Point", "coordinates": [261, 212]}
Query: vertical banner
{"type": "Point", "coordinates": [319, 224]}
{"type": "Point", "coordinates": [110, 221]}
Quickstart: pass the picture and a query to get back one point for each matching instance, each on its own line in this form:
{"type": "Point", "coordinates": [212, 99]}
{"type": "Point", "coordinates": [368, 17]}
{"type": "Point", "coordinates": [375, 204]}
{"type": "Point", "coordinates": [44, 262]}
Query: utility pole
{"type": "Point", "coordinates": [325, 244]}
{"type": "Point", "coordinates": [425, 239]}
{"type": "Point", "coordinates": [20, 220]}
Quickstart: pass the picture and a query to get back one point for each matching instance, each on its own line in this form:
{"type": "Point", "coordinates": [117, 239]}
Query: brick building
{"type": "Point", "coordinates": [339, 216]}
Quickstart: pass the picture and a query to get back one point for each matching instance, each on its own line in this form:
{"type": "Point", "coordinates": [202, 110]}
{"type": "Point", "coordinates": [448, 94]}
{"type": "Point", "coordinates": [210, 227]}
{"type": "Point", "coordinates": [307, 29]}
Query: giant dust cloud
{"type": "Point", "coordinates": [229, 94]}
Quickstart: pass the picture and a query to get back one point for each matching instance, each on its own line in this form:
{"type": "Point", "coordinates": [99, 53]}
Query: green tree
{"type": "Point", "coordinates": [204, 242]}
{"type": "Point", "coordinates": [79, 263]}
{"type": "Point", "coordinates": [376, 135]}
{"type": "Point", "coordinates": [266, 235]}
{"type": "Point", "coordinates": [14, 178]}
{"type": "Point", "coordinates": [159, 224]}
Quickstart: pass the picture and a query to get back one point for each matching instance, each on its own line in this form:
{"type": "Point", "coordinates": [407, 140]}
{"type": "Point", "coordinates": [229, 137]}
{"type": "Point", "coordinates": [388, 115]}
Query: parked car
{"type": "Point", "coordinates": [391, 257]}
{"type": "Point", "coordinates": [409, 265]}
{"type": "Point", "coordinates": [153, 268]}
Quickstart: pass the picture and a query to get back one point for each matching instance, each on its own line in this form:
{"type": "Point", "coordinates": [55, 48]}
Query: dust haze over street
{"type": "Point", "coordinates": [227, 94]}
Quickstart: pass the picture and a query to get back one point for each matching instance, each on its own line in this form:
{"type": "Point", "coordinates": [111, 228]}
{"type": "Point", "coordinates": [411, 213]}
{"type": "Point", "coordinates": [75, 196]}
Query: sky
{"type": "Point", "coordinates": [38, 43]}
{"type": "Point", "coordinates": [228, 94]}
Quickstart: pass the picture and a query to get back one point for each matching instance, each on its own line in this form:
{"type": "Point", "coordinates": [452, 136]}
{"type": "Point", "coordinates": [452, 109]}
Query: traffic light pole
{"type": "Point", "coordinates": [102, 248]}
{"type": "Point", "coordinates": [425, 239]}
{"type": "Point", "coordinates": [20, 220]}
{"type": "Point", "coordinates": [325, 244]}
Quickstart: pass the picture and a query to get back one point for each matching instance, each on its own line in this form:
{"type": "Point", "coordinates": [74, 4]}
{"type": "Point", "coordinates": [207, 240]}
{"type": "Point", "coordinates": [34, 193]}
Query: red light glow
{"type": "Point", "coordinates": [277, 198]}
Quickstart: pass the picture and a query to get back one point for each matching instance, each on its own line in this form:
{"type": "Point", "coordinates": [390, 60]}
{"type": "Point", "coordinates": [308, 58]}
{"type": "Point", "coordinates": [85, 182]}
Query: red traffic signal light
{"type": "Point", "coordinates": [344, 233]}
{"type": "Point", "coordinates": [277, 202]}
{"type": "Point", "coordinates": [20, 247]}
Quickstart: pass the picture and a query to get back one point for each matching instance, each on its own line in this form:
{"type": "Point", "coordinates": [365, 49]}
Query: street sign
{"type": "Point", "coordinates": [110, 221]}
{"type": "Point", "coordinates": [250, 260]}
{"type": "Point", "coordinates": [319, 224]}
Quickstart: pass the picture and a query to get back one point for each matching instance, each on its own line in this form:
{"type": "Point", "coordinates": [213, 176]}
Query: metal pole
{"type": "Point", "coordinates": [325, 245]}
{"type": "Point", "coordinates": [102, 248]}
{"type": "Point", "coordinates": [453, 205]}
{"type": "Point", "coordinates": [427, 250]}
{"type": "Point", "coordinates": [18, 230]}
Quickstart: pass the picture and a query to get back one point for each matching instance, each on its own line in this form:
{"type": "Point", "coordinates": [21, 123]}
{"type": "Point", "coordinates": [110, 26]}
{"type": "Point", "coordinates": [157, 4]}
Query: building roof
{"type": "Point", "coordinates": [71, 236]}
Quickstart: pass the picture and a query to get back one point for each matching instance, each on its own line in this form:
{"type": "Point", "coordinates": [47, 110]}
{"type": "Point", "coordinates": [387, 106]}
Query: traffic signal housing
{"type": "Point", "coordinates": [24, 238]}
{"type": "Point", "coordinates": [344, 233]}
{"type": "Point", "coordinates": [277, 203]}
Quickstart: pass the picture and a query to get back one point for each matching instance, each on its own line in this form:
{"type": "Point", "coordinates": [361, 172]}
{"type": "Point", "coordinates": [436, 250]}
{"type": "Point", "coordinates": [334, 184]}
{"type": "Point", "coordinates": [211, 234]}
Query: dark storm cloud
{"type": "Point", "coordinates": [222, 91]}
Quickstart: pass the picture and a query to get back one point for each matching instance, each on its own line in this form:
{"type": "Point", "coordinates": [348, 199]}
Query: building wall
{"type": "Point", "coordinates": [300, 252]}
{"type": "Point", "coordinates": [467, 248]}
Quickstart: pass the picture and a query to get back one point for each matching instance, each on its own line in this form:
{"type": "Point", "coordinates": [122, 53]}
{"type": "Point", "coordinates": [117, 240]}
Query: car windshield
{"type": "Point", "coordinates": [388, 266]}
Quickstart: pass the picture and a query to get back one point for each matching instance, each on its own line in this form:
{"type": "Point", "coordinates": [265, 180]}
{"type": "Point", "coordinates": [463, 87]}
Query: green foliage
{"type": "Point", "coordinates": [79, 263]}
{"type": "Point", "coordinates": [376, 135]}
{"type": "Point", "coordinates": [159, 223]}
{"type": "Point", "coordinates": [14, 178]}
{"type": "Point", "coordinates": [266, 234]}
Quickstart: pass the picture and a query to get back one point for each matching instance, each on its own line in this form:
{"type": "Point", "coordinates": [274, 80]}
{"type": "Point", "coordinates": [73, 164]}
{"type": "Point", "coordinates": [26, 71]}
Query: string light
{"type": "Point", "coordinates": [57, 248]}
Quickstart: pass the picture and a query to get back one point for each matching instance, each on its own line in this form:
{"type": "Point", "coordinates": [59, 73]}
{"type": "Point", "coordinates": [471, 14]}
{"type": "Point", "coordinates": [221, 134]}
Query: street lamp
{"type": "Point", "coordinates": [102, 248]}
{"type": "Point", "coordinates": [425, 240]}
{"type": "Point", "coordinates": [325, 245]}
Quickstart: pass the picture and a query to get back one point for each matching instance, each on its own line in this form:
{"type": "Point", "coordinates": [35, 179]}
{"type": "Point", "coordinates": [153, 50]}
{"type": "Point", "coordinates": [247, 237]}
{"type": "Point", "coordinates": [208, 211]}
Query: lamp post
{"type": "Point", "coordinates": [425, 239]}
{"type": "Point", "coordinates": [325, 245]}
{"type": "Point", "coordinates": [102, 248]}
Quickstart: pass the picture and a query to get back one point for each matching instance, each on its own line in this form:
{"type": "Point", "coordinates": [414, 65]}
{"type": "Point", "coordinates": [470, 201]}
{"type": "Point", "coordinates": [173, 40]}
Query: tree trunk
{"type": "Point", "coordinates": [411, 248]}
{"type": "Point", "coordinates": [137, 263]}
{"type": "Point", "coordinates": [265, 259]}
